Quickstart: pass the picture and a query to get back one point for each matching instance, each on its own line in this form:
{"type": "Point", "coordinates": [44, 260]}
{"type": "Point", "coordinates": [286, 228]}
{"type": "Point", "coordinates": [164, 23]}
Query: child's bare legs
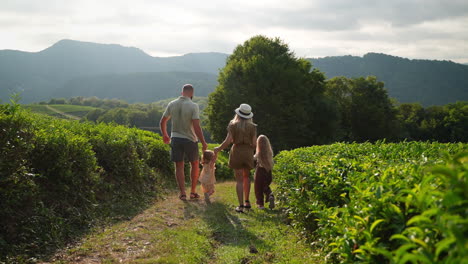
{"type": "Point", "coordinates": [211, 191]}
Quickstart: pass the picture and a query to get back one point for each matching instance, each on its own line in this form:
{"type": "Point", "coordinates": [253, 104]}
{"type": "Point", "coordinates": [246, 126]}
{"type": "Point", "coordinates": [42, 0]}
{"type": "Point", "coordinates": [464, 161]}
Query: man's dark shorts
{"type": "Point", "coordinates": [182, 147]}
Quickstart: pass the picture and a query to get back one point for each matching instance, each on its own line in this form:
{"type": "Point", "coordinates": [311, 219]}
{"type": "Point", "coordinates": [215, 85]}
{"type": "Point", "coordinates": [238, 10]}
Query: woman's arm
{"type": "Point", "coordinates": [227, 141]}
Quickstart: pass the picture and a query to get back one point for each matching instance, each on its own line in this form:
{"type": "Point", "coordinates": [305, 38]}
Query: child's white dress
{"type": "Point", "coordinates": [207, 177]}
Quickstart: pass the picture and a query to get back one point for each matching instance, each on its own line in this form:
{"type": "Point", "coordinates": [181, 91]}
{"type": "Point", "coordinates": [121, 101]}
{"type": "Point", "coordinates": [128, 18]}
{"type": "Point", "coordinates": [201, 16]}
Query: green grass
{"type": "Point", "coordinates": [172, 231]}
{"type": "Point", "coordinates": [73, 108]}
{"type": "Point", "coordinates": [41, 109]}
{"type": "Point", "coordinates": [77, 110]}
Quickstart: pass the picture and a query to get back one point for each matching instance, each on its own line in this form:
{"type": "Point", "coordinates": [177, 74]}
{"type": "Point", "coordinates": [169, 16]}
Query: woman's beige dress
{"type": "Point", "coordinates": [242, 150]}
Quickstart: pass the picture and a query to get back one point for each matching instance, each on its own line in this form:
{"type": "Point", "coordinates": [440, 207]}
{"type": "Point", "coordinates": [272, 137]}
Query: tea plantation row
{"type": "Point", "coordinates": [379, 203]}
{"type": "Point", "coordinates": [58, 178]}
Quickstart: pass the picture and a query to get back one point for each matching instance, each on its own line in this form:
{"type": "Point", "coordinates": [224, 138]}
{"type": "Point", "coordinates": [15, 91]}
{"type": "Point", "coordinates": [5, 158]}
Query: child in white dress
{"type": "Point", "coordinates": [207, 175]}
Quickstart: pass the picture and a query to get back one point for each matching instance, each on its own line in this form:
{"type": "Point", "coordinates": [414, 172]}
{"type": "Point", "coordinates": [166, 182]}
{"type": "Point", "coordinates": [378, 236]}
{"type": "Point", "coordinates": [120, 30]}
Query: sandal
{"type": "Point", "coordinates": [240, 209]}
{"type": "Point", "coordinates": [247, 204]}
{"type": "Point", "coordinates": [183, 197]}
{"type": "Point", "coordinates": [194, 196]}
{"type": "Point", "coordinates": [271, 199]}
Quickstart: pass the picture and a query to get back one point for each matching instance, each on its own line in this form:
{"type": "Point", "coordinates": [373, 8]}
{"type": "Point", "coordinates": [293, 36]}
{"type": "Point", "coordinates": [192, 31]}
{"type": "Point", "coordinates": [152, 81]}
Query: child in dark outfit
{"type": "Point", "coordinates": [263, 175]}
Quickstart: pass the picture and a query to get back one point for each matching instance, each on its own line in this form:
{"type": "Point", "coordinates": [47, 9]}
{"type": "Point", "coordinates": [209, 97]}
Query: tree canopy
{"type": "Point", "coordinates": [286, 96]}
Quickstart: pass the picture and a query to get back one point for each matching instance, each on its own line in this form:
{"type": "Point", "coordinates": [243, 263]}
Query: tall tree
{"type": "Point", "coordinates": [411, 115]}
{"type": "Point", "coordinates": [373, 115]}
{"type": "Point", "coordinates": [338, 89]}
{"type": "Point", "coordinates": [457, 121]}
{"type": "Point", "coordinates": [286, 96]}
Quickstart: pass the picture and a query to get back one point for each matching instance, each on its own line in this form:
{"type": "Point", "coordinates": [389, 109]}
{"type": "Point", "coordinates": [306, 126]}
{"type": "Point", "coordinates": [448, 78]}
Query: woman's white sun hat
{"type": "Point", "coordinates": [244, 111]}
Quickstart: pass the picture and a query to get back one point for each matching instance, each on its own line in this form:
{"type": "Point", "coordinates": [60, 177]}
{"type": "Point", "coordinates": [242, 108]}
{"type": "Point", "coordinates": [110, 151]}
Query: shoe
{"type": "Point", "coordinates": [194, 196]}
{"type": "Point", "coordinates": [207, 198]}
{"type": "Point", "coordinates": [240, 209]}
{"type": "Point", "coordinates": [271, 199]}
{"type": "Point", "coordinates": [247, 204]}
{"type": "Point", "coordinates": [183, 197]}
{"type": "Point", "coordinates": [261, 207]}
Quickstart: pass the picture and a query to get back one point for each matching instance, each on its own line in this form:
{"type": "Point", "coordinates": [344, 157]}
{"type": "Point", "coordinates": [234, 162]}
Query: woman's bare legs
{"type": "Point", "coordinates": [246, 183]}
{"type": "Point", "coordinates": [239, 185]}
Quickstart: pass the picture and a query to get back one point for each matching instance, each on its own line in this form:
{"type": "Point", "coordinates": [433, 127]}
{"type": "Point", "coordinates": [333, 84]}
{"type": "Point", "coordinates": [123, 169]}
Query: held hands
{"type": "Point", "coordinates": [216, 150]}
{"type": "Point", "coordinates": [166, 139]}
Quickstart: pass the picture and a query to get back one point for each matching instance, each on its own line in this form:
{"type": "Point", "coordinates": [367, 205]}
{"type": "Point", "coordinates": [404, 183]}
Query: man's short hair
{"type": "Point", "coordinates": [187, 88]}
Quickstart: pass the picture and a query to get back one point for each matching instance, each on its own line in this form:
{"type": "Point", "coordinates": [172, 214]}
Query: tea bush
{"type": "Point", "coordinates": [379, 203]}
{"type": "Point", "coordinates": [59, 177]}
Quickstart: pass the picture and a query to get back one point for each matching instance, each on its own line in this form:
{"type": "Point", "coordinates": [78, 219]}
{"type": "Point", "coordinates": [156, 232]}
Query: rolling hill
{"type": "Point", "coordinates": [58, 70]}
{"type": "Point", "coordinates": [74, 68]}
{"type": "Point", "coordinates": [425, 81]}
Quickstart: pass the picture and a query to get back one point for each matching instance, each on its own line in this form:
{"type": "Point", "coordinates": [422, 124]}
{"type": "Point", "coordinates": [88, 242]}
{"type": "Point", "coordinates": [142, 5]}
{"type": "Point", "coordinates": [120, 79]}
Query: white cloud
{"type": "Point", "coordinates": [426, 29]}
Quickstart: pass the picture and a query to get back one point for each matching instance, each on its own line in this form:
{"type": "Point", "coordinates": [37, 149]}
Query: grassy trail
{"type": "Point", "coordinates": [62, 113]}
{"type": "Point", "coordinates": [172, 231]}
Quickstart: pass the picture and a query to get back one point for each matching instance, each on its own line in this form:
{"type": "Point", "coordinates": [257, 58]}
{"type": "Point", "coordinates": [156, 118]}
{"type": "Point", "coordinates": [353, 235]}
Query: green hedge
{"type": "Point", "coordinates": [58, 177]}
{"type": "Point", "coordinates": [379, 203]}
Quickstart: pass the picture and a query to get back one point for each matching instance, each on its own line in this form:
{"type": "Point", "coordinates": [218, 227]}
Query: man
{"type": "Point", "coordinates": [185, 134]}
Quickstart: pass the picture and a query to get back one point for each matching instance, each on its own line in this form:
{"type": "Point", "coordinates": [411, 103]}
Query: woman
{"type": "Point", "coordinates": [242, 132]}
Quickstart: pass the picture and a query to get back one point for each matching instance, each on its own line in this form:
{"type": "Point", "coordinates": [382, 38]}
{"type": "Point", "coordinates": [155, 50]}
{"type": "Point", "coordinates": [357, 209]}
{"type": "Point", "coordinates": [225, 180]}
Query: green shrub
{"type": "Point", "coordinates": [378, 203]}
{"type": "Point", "coordinates": [58, 177]}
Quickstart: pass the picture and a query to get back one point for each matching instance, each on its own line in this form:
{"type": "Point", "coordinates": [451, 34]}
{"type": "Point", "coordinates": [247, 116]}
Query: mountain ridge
{"type": "Point", "coordinates": [407, 80]}
{"type": "Point", "coordinates": [48, 73]}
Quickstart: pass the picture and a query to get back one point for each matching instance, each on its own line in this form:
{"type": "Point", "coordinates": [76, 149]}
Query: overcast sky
{"type": "Point", "coordinates": [416, 29]}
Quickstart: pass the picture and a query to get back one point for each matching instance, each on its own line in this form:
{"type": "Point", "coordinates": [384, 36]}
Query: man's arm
{"type": "Point", "coordinates": [163, 127]}
{"type": "Point", "coordinates": [198, 131]}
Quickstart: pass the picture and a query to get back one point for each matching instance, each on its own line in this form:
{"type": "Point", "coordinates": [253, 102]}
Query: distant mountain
{"type": "Point", "coordinates": [138, 87]}
{"type": "Point", "coordinates": [426, 81]}
{"type": "Point", "coordinates": [46, 74]}
{"type": "Point", "coordinates": [74, 68]}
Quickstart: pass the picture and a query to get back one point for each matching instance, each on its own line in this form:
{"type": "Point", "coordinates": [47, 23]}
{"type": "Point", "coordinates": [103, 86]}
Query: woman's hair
{"type": "Point", "coordinates": [207, 156]}
{"type": "Point", "coordinates": [240, 122]}
{"type": "Point", "coordinates": [264, 153]}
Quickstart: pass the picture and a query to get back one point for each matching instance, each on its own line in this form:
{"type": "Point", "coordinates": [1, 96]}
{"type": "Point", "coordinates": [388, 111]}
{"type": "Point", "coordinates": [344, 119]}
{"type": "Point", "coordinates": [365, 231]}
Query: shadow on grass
{"type": "Point", "coordinates": [226, 225]}
{"type": "Point", "coordinates": [108, 213]}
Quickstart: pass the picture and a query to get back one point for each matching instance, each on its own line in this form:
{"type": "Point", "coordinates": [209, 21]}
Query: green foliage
{"type": "Point", "coordinates": [282, 91]}
{"type": "Point", "coordinates": [58, 177]}
{"type": "Point", "coordinates": [448, 123]}
{"type": "Point", "coordinates": [372, 114]}
{"type": "Point", "coordinates": [366, 112]}
{"type": "Point", "coordinates": [379, 203]}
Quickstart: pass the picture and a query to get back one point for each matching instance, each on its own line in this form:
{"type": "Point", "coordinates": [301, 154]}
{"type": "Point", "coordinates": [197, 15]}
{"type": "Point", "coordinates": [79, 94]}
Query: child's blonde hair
{"type": "Point", "coordinates": [264, 153]}
{"type": "Point", "coordinates": [207, 156]}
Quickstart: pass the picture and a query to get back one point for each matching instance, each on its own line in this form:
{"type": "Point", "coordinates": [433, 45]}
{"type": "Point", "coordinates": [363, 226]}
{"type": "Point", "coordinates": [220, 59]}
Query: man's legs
{"type": "Point", "coordinates": [180, 177]}
{"type": "Point", "coordinates": [180, 148]}
{"type": "Point", "coordinates": [194, 173]}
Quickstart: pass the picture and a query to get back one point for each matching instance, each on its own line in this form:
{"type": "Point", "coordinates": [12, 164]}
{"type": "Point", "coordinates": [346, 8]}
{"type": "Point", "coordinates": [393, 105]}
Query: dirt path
{"type": "Point", "coordinates": [172, 231]}
{"type": "Point", "coordinates": [62, 113]}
